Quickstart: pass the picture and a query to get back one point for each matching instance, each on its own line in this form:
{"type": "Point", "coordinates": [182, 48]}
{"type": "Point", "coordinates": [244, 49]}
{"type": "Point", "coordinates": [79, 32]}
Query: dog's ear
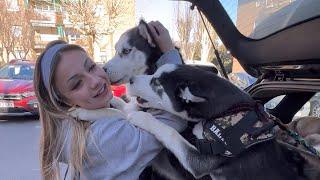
{"type": "Point", "coordinates": [145, 33]}
{"type": "Point", "coordinates": [187, 96]}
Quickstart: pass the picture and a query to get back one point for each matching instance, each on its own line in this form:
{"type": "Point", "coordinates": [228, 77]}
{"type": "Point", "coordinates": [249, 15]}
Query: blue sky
{"type": "Point", "coordinates": [164, 11]}
{"type": "Point", "coordinates": [161, 10]}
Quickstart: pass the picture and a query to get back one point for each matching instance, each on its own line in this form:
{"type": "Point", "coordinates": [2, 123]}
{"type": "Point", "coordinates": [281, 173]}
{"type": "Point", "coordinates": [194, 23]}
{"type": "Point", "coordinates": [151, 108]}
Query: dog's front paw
{"type": "Point", "coordinates": [141, 119]}
{"type": "Point", "coordinates": [78, 113]}
{"type": "Point", "coordinates": [86, 114]}
{"type": "Point", "coordinates": [118, 103]}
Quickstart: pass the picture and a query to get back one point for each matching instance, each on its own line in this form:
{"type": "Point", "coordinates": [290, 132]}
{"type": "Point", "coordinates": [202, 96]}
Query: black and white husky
{"type": "Point", "coordinates": [136, 54]}
{"type": "Point", "coordinates": [234, 134]}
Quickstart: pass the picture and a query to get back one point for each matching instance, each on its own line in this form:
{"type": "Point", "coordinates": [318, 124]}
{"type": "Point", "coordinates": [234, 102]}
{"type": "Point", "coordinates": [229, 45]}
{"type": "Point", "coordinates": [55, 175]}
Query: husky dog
{"type": "Point", "coordinates": [136, 54]}
{"type": "Point", "coordinates": [234, 135]}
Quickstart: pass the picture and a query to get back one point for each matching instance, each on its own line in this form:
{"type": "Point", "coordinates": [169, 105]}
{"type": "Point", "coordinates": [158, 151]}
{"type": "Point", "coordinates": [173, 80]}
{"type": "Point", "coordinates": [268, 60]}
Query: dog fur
{"type": "Point", "coordinates": [197, 95]}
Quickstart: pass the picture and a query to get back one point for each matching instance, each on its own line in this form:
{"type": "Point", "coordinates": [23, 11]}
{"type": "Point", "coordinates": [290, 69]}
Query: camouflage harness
{"type": "Point", "coordinates": [241, 127]}
{"type": "Point", "coordinates": [236, 130]}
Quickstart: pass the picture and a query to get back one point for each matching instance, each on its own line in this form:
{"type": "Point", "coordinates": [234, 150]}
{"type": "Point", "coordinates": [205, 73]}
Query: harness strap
{"type": "Point", "coordinates": [234, 139]}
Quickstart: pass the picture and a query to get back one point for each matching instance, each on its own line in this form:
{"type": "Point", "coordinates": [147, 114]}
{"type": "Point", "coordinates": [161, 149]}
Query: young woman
{"type": "Point", "coordinates": [109, 148]}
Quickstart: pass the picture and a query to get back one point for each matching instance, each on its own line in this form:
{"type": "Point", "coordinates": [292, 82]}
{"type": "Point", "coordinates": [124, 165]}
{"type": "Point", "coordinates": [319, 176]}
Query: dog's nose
{"type": "Point", "coordinates": [131, 80]}
{"type": "Point", "coordinates": [105, 69]}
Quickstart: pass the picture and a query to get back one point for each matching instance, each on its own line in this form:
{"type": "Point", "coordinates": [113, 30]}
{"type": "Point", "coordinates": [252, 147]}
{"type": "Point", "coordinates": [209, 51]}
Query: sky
{"type": "Point", "coordinates": [161, 10]}
{"type": "Point", "coordinates": [164, 11]}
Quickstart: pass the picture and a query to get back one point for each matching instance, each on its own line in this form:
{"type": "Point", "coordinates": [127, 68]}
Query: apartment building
{"type": "Point", "coordinates": [52, 23]}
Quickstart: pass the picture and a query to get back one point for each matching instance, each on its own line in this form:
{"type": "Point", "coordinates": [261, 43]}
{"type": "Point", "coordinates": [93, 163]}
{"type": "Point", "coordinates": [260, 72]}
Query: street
{"type": "Point", "coordinates": [19, 147]}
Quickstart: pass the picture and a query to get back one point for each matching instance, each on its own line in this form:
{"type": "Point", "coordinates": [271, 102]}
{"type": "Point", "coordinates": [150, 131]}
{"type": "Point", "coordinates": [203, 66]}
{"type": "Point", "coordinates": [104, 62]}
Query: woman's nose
{"type": "Point", "coordinates": [94, 81]}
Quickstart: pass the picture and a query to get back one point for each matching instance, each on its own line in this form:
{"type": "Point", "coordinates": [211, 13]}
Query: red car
{"type": "Point", "coordinates": [17, 97]}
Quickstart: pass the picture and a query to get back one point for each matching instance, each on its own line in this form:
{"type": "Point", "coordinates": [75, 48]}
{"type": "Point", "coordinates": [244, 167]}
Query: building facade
{"type": "Point", "coordinates": [51, 23]}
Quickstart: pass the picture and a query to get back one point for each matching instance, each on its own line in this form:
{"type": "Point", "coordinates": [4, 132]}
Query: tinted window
{"type": "Point", "coordinates": [23, 71]}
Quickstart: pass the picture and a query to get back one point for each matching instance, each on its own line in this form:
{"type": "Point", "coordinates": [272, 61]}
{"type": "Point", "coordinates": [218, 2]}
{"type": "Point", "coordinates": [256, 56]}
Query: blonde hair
{"type": "Point", "coordinates": [55, 123]}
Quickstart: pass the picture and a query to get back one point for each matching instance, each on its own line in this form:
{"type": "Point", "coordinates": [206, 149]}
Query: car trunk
{"type": "Point", "coordinates": [286, 62]}
{"type": "Point", "coordinates": [290, 52]}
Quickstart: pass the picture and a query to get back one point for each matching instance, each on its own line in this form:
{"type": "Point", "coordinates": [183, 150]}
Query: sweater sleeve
{"type": "Point", "coordinates": [128, 149]}
{"type": "Point", "coordinates": [170, 57]}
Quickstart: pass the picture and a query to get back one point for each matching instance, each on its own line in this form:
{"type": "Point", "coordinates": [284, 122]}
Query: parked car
{"type": "Point", "coordinates": [17, 97]}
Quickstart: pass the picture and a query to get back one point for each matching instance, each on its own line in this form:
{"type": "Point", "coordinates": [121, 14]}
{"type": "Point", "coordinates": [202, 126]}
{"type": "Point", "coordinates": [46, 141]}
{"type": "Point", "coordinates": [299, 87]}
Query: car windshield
{"type": "Point", "coordinates": [22, 71]}
{"type": "Point", "coordinates": [259, 18]}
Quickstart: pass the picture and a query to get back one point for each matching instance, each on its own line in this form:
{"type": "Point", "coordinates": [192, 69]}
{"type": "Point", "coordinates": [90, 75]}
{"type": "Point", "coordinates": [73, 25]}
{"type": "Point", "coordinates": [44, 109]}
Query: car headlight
{"type": "Point", "coordinates": [28, 94]}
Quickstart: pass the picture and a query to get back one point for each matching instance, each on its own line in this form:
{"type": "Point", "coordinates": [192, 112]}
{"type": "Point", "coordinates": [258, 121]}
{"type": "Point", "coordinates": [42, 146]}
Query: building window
{"type": "Point", "coordinates": [16, 31]}
{"type": "Point", "coordinates": [12, 5]}
{"type": "Point", "coordinates": [257, 3]}
{"type": "Point", "coordinates": [269, 3]}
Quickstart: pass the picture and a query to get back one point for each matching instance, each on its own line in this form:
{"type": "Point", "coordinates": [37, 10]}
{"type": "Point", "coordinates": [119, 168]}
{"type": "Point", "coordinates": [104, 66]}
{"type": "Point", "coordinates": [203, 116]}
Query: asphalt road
{"type": "Point", "coordinates": [19, 148]}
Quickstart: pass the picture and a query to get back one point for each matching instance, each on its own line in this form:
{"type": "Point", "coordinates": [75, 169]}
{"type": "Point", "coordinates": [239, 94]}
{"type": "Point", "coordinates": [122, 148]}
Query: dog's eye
{"type": "Point", "coordinates": [126, 51]}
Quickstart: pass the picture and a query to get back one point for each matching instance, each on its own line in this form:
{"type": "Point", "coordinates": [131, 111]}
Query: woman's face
{"type": "Point", "coordinates": [81, 81]}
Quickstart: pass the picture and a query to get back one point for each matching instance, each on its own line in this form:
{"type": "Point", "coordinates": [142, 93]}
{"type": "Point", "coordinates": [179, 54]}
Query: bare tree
{"type": "Point", "coordinates": [26, 38]}
{"type": "Point", "coordinates": [7, 20]}
{"type": "Point", "coordinates": [193, 35]}
{"type": "Point", "coordinates": [95, 18]}
{"type": "Point", "coordinates": [185, 21]}
{"type": "Point", "coordinates": [16, 34]}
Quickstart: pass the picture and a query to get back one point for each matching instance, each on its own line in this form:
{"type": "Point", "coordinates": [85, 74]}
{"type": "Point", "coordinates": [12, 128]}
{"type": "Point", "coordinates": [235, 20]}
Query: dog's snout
{"type": "Point", "coordinates": [131, 80]}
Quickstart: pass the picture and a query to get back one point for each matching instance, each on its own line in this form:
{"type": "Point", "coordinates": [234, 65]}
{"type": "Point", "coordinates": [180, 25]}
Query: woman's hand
{"type": "Point", "coordinates": [161, 36]}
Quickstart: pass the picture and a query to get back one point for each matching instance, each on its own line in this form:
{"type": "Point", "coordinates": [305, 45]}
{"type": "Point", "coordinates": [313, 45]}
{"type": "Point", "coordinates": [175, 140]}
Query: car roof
{"type": "Point", "coordinates": [292, 50]}
{"type": "Point", "coordinates": [21, 62]}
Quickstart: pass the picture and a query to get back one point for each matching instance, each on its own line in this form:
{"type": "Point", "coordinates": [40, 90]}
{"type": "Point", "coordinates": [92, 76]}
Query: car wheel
{"type": "Point", "coordinates": [315, 109]}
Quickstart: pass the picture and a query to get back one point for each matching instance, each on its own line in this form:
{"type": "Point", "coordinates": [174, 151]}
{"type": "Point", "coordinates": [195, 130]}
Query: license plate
{"type": "Point", "coordinates": [6, 104]}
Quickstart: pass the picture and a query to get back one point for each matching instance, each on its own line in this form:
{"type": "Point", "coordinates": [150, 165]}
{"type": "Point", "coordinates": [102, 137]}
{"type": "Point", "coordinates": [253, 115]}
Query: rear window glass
{"type": "Point", "coordinates": [259, 18]}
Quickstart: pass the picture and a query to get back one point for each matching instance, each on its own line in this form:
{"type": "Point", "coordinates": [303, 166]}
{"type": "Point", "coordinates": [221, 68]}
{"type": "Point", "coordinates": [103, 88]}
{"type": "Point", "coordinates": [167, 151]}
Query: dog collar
{"type": "Point", "coordinates": [235, 131]}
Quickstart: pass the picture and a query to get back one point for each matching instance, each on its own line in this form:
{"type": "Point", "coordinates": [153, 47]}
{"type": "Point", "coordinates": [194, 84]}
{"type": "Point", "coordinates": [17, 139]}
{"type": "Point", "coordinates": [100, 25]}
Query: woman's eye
{"type": "Point", "coordinates": [126, 51]}
{"type": "Point", "coordinates": [76, 86]}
